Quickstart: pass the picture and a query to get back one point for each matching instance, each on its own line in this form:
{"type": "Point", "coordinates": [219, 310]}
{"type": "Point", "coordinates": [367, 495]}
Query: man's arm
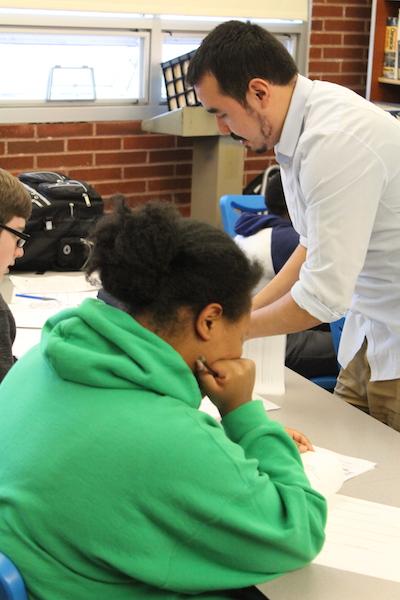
{"type": "Point", "coordinates": [283, 281]}
{"type": "Point", "coordinates": [282, 316]}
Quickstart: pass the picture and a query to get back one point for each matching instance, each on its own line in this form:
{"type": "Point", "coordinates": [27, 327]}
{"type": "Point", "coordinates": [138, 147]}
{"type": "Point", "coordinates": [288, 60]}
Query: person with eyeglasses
{"type": "Point", "coordinates": [15, 209]}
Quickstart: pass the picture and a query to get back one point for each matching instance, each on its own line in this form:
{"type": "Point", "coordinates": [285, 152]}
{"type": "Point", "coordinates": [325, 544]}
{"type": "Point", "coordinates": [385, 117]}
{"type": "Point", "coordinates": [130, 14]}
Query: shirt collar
{"type": "Point", "coordinates": [293, 124]}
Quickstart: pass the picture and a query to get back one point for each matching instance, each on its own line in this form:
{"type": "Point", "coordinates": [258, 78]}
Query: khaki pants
{"type": "Point", "coordinates": [380, 399]}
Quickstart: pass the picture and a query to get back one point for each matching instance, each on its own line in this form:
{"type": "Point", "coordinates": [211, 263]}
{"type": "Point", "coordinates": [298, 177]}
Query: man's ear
{"type": "Point", "coordinates": [207, 320]}
{"type": "Point", "coordinates": [258, 92]}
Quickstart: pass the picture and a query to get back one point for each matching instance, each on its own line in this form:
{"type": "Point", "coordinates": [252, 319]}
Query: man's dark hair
{"type": "Point", "coordinates": [236, 52]}
{"type": "Point", "coordinates": [153, 261]}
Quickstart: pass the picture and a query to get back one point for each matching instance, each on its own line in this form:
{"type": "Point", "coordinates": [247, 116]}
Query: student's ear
{"type": "Point", "coordinates": [258, 92]}
{"type": "Point", "coordinates": [208, 320]}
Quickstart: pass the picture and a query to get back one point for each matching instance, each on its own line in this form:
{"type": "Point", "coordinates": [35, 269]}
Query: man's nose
{"type": "Point", "coordinates": [19, 252]}
{"type": "Point", "coordinates": [222, 126]}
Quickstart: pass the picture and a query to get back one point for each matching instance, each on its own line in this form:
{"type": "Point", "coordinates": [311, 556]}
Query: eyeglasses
{"type": "Point", "coordinates": [22, 237]}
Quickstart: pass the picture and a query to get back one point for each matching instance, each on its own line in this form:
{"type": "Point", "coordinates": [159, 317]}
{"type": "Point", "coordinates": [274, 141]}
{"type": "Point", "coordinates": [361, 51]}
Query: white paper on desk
{"type": "Point", "coordinates": [50, 283]}
{"type": "Point", "coordinates": [33, 314]}
{"type": "Point", "coordinates": [352, 466]}
{"type": "Point", "coordinates": [362, 537]}
{"type": "Point", "coordinates": [25, 340]}
{"type": "Point", "coordinates": [208, 407]}
{"type": "Point", "coordinates": [269, 355]}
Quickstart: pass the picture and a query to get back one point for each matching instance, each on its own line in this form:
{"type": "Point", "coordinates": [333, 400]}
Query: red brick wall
{"type": "Point", "coordinates": [339, 42]}
{"type": "Point", "coordinates": [118, 157]}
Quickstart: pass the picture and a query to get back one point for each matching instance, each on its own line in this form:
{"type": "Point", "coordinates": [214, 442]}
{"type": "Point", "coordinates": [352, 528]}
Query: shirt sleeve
{"type": "Point", "coordinates": [342, 180]}
{"type": "Point", "coordinates": [254, 516]}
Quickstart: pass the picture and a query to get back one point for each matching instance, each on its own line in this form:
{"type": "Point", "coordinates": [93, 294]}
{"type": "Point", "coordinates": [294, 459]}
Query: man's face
{"type": "Point", "coordinates": [9, 250]}
{"type": "Point", "coordinates": [246, 123]}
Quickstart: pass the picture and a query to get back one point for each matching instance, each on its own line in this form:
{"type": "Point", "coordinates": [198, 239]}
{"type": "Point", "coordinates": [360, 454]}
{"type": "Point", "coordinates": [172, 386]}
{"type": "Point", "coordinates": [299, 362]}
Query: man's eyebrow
{"type": "Point", "coordinates": [212, 111]}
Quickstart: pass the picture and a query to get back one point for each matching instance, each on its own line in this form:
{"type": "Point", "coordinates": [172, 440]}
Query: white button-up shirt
{"type": "Point", "coordinates": [340, 163]}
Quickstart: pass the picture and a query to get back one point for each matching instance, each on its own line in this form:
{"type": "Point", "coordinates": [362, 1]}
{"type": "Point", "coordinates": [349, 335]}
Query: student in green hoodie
{"type": "Point", "coordinates": [112, 483]}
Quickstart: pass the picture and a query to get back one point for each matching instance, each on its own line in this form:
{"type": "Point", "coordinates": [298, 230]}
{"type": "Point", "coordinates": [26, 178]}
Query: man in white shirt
{"type": "Point", "coordinates": [340, 165]}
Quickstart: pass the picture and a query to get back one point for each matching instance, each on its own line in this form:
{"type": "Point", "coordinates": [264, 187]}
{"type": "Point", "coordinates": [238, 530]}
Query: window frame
{"type": "Point", "coordinates": [153, 29]}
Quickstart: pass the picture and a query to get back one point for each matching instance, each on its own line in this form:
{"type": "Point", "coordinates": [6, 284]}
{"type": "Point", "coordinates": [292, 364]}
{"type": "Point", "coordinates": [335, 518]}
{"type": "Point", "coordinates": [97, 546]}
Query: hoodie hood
{"type": "Point", "coordinates": [250, 223]}
{"type": "Point", "coordinates": [101, 346]}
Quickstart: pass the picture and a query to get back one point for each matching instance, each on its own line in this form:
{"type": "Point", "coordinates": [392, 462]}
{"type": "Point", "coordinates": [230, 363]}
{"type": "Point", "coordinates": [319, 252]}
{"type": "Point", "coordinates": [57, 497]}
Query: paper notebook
{"type": "Point", "coordinates": [268, 354]}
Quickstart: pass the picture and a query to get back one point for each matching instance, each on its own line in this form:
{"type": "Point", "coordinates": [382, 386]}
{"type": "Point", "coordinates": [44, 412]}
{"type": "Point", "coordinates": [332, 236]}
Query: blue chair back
{"type": "Point", "coordinates": [11, 583]}
{"type": "Point", "coordinates": [328, 382]}
{"type": "Point", "coordinates": [232, 205]}
{"type": "Point", "coordinates": [336, 331]}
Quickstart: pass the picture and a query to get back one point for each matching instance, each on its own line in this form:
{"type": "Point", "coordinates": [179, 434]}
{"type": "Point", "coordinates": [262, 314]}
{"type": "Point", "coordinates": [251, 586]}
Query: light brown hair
{"type": "Point", "coordinates": [15, 200]}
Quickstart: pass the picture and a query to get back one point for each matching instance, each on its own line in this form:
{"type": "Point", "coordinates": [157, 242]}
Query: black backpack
{"type": "Point", "coordinates": [63, 212]}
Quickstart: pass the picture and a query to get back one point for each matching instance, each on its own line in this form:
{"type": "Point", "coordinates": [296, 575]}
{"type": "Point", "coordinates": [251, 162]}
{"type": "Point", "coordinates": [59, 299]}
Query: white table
{"type": "Point", "coordinates": [332, 423]}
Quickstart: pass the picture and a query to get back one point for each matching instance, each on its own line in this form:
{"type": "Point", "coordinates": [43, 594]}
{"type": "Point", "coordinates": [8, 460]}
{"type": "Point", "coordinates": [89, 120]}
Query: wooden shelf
{"type": "Point", "coordinates": [381, 89]}
{"type": "Point", "coordinates": [389, 81]}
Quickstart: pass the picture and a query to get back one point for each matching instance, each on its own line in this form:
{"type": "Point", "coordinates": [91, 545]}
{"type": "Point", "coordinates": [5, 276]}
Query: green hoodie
{"type": "Point", "coordinates": [113, 485]}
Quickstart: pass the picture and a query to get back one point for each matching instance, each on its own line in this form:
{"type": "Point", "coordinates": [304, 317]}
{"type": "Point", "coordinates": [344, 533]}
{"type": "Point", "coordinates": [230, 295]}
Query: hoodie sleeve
{"type": "Point", "coordinates": [251, 514]}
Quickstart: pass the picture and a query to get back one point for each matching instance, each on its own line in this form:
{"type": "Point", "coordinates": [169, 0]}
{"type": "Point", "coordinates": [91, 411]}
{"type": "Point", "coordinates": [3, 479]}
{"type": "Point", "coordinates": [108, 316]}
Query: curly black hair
{"type": "Point", "coordinates": [152, 260]}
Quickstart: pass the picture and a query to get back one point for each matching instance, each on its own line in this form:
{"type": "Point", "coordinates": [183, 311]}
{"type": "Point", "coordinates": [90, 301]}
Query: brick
{"type": "Point", "coordinates": [118, 127]}
{"type": "Point", "coordinates": [183, 169]}
{"type": "Point", "coordinates": [317, 25]}
{"type": "Point", "coordinates": [184, 142]}
{"type": "Point", "coordinates": [61, 161]}
{"type": "Point", "coordinates": [354, 66]}
{"type": "Point", "coordinates": [182, 197]}
{"type": "Point", "coordinates": [145, 172]}
{"type": "Point", "coordinates": [322, 10]}
{"type": "Point", "coordinates": [149, 141]}
{"type": "Point", "coordinates": [36, 147]}
{"type": "Point", "coordinates": [362, 12]}
{"type": "Point", "coordinates": [20, 131]}
{"type": "Point", "coordinates": [170, 155]}
{"type": "Point", "coordinates": [94, 143]}
{"type": "Point", "coordinates": [344, 25]}
{"type": "Point", "coordinates": [322, 39]}
{"type": "Point", "coordinates": [120, 158]}
{"type": "Point", "coordinates": [346, 79]}
{"type": "Point", "coordinates": [185, 210]}
{"type": "Point", "coordinates": [168, 184]}
{"type": "Point", "coordinates": [322, 66]}
{"type": "Point", "coordinates": [256, 164]}
{"type": "Point", "coordinates": [343, 53]}
{"type": "Point", "coordinates": [91, 175]}
{"type": "Point", "coordinates": [17, 163]}
{"type": "Point", "coordinates": [356, 40]}
{"type": "Point", "coordinates": [51, 130]}
{"type": "Point", "coordinates": [2, 148]}
{"type": "Point", "coordinates": [120, 187]}
{"type": "Point", "coordinates": [315, 53]}
{"type": "Point", "coordinates": [358, 2]}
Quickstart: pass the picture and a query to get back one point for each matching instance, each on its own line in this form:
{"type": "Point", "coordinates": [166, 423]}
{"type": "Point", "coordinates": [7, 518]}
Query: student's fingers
{"type": "Point", "coordinates": [231, 384]}
{"type": "Point", "coordinates": [301, 440]}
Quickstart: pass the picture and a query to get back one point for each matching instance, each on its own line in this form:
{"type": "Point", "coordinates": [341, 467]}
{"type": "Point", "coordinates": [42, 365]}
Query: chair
{"type": "Point", "coordinates": [232, 205]}
{"type": "Point", "coordinates": [328, 382]}
{"type": "Point", "coordinates": [11, 583]}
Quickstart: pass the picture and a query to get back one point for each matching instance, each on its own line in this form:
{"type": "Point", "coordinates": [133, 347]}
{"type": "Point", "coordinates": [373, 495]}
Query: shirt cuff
{"type": "Point", "coordinates": [314, 306]}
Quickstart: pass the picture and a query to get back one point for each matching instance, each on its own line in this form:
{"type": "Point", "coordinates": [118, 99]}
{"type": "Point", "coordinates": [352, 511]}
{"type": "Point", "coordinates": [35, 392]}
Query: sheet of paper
{"type": "Point", "coordinates": [50, 283]}
{"type": "Point", "coordinates": [351, 465]}
{"type": "Point", "coordinates": [25, 340]}
{"type": "Point", "coordinates": [269, 355]}
{"type": "Point", "coordinates": [33, 314]}
{"type": "Point", "coordinates": [362, 537]}
{"type": "Point", "coordinates": [208, 407]}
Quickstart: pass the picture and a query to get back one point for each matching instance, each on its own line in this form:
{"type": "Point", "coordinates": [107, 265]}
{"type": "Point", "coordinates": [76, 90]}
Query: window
{"type": "Point", "coordinates": [69, 66]}
{"type": "Point", "coordinates": [72, 66]}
